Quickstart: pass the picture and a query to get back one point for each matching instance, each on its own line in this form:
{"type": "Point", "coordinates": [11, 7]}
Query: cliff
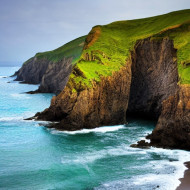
{"type": "Point", "coordinates": [106, 103]}
{"type": "Point", "coordinates": [139, 67]}
{"type": "Point", "coordinates": [173, 127]}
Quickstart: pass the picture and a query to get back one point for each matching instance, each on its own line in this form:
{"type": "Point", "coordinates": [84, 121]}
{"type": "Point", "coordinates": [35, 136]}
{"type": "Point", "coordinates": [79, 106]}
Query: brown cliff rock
{"type": "Point", "coordinates": [104, 104]}
{"type": "Point", "coordinates": [151, 80]}
{"type": "Point", "coordinates": [173, 127]}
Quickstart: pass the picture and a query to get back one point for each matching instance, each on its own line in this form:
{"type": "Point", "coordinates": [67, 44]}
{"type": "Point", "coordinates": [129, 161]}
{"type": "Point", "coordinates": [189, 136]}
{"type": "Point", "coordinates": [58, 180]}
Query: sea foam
{"type": "Point", "coordinates": [95, 130]}
{"type": "Point", "coordinates": [166, 177]}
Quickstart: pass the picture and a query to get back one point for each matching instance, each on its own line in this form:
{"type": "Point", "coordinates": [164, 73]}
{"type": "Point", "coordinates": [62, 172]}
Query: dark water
{"type": "Point", "coordinates": [33, 157]}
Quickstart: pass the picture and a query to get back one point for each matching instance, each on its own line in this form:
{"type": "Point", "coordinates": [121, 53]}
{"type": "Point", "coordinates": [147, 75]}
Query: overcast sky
{"type": "Point", "coordinates": [31, 26]}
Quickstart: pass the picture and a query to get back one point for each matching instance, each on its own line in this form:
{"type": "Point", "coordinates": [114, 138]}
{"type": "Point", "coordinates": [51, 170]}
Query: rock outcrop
{"type": "Point", "coordinates": [118, 73]}
{"type": "Point", "coordinates": [173, 127]}
{"type": "Point", "coordinates": [32, 71]}
{"type": "Point", "coordinates": [104, 104]}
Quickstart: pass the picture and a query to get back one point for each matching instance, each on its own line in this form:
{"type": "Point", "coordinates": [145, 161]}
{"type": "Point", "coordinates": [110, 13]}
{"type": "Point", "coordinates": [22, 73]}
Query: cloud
{"type": "Point", "coordinates": [28, 27]}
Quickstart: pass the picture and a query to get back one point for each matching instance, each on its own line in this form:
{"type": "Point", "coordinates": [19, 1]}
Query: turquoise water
{"type": "Point", "coordinates": [33, 157]}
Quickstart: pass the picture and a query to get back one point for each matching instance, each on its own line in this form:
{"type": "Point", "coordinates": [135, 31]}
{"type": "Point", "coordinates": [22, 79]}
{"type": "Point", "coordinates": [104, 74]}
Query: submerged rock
{"type": "Point", "coordinates": [141, 144]}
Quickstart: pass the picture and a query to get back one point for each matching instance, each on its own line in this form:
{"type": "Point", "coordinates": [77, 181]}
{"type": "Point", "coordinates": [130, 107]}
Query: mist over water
{"type": "Point", "coordinates": [33, 157]}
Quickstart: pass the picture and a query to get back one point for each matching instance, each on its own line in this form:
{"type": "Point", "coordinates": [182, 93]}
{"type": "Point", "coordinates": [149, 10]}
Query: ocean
{"type": "Point", "coordinates": [34, 157]}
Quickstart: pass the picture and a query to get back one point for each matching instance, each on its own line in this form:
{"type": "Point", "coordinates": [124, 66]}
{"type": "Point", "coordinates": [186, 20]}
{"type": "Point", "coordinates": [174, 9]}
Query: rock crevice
{"type": "Point", "coordinates": [154, 77]}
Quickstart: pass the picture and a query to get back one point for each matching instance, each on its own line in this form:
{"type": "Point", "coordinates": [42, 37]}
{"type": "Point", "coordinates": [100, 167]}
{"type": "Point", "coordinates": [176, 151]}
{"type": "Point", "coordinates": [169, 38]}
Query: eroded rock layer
{"type": "Point", "coordinates": [154, 76]}
{"type": "Point", "coordinates": [173, 127]}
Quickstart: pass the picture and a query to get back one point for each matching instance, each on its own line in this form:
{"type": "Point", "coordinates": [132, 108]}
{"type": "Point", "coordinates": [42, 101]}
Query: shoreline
{"type": "Point", "coordinates": [185, 181]}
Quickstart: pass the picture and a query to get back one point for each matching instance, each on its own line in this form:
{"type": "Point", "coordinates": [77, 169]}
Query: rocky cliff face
{"type": "Point", "coordinates": [56, 76]}
{"type": "Point", "coordinates": [154, 77]}
{"type": "Point", "coordinates": [52, 76]}
{"type": "Point", "coordinates": [104, 104]}
{"type": "Point", "coordinates": [173, 127]}
{"type": "Point", "coordinates": [32, 71]}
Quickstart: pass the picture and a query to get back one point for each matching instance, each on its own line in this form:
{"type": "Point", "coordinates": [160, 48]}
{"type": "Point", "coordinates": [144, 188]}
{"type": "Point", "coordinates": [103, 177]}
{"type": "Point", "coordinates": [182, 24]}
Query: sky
{"type": "Point", "coordinates": [31, 26]}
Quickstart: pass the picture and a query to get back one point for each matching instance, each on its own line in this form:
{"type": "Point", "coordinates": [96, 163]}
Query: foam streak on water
{"type": "Point", "coordinates": [84, 131]}
{"type": "Point", "coordinates": [33, 157]}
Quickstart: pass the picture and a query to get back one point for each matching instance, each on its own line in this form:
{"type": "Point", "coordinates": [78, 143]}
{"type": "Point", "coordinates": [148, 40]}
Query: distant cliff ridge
{"type": "Point", "coordinates": [51, 69]}
{"type": "Point", "coordinates": [137, 67]}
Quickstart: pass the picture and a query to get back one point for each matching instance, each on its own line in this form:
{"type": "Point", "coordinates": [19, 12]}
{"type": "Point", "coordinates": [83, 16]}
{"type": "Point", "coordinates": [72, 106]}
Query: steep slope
{"type": "Point", "coordinates": [39, 67]}
{"type": "Point", "coordinates": [104, 104]}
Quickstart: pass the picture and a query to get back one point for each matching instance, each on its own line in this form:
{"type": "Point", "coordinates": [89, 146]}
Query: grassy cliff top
{"type": "Point", "coordinates": [108, 47]}
{"type": "Point", "coordinates": [71, 49]}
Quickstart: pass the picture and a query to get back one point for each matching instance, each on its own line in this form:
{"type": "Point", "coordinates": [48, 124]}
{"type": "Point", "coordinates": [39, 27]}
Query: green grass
{"type": "Point", "coordinates": [71, 49]}
{"type": "Point", "coordinates": [116, 40]}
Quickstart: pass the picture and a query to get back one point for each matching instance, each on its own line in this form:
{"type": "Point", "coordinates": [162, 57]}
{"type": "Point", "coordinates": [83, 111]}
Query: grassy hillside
{"type": "Point", "coordinates": [107, 47]}
{"type": "Point", "coordinates": [70, 49]}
